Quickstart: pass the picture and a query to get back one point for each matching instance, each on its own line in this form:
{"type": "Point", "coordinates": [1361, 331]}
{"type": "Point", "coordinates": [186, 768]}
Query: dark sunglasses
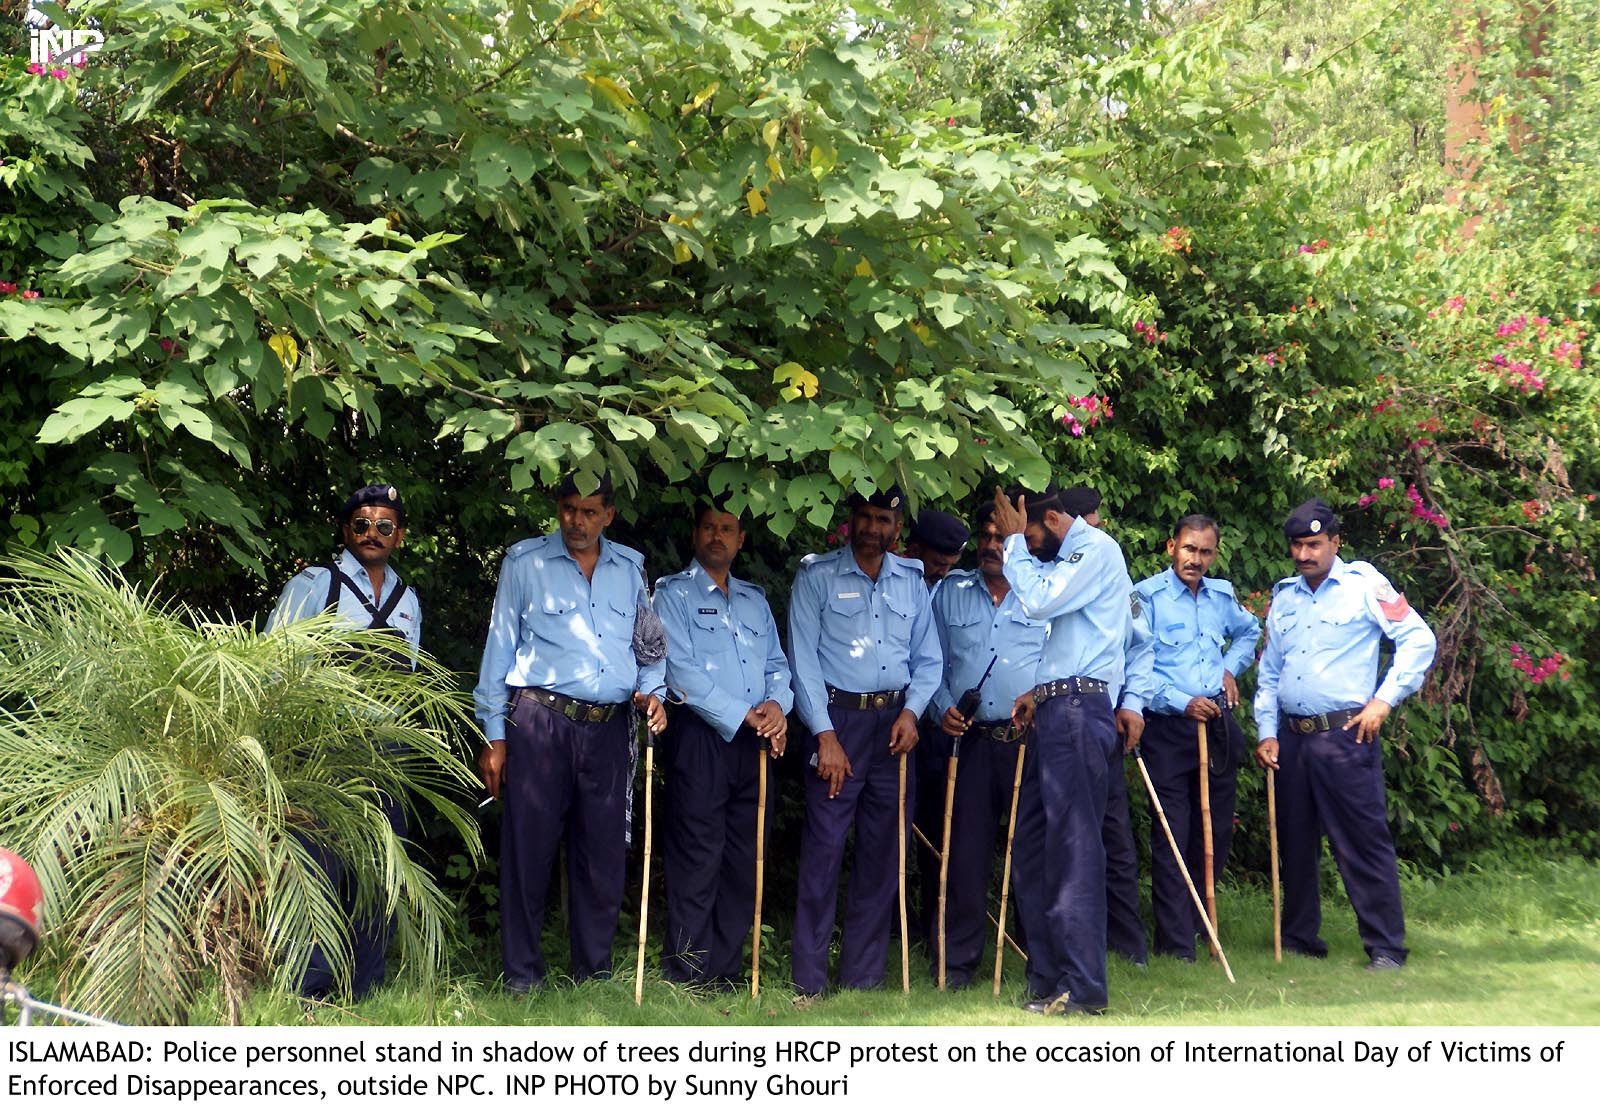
{"type": "Point", "coordinates": [359, 526]}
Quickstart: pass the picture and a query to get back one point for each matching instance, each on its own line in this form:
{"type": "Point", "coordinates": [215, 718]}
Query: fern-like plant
{"type": "Point", "coordinates": [166, 773]}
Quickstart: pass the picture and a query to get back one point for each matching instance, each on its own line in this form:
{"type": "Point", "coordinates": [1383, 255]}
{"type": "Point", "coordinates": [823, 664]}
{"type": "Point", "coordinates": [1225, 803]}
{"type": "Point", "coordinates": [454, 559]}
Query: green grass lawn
{"type": "Point", "coordinates": [1506, 946]}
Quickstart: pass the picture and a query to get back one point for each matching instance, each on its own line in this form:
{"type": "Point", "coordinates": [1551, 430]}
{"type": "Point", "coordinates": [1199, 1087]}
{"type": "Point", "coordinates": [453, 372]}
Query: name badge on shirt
{"type": "Point", "coordinates": [709, 610]}
{"type": "Point", "coordinates": [849, 595]}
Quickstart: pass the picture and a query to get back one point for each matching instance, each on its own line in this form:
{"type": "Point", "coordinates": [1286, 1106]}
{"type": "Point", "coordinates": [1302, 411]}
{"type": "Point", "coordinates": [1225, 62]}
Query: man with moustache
{"type": "Point", "coordinates": [866, 661]}
{"type": "Point", "coordinates": [1204, 640]}
{"type": "Point", "coordinates": [1124, 929]}
{"type": "Point", "coordinates": [366, 594]}
{"type": "Point", "coordinates": [1319, 706]}
{"type": "Point", "coordinates": [724, 659]}
{"type": "Point", "coordinates": [979, 619]}
{"type": "Point", "coordinates": [1074, 576]}
{"type": "Point", "coordinates": [557, 674]}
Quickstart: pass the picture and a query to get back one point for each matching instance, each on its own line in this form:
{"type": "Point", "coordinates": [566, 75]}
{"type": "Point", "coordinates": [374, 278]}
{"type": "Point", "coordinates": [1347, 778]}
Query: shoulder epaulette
{"type": "Point", "coordinates": [1283, 583]}
{"type": "Point", "coordinates": [632, 556]}
{"type": "Point", "coordinates": [1219, 585]}
{"type": "Point", "coordinates": [525, 546]}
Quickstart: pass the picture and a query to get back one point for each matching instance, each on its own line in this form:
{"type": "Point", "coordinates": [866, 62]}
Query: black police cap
{"type": "Point", "coordinates": [891, 499]}
{"type": "Point", "coordinates": [1081, 500]}
{"type": "Point", "coordinates": [375, 494]}
{"type": "Point", "coordinates": [941, 532]}
{"type": "Point", "coordinates": [1312, 518]}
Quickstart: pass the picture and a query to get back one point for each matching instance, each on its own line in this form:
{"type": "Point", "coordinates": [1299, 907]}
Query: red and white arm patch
{"type": "Point", "coordinates": [1391, 602]}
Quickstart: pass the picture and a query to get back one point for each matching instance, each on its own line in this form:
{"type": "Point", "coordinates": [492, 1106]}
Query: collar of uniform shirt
{"type": "Point", "coordinates": [556, 542]}
{"type": "Point", "coordinates": [698, 571]}
{"type": "Point", "coordinates": [1176, 586]}
{"type": "Point", "coordinates": [1334, 573]}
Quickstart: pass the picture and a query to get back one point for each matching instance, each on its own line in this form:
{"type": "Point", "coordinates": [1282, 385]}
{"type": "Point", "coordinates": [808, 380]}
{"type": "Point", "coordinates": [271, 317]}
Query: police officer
{"type": "Point", "coordinates": [558, 671]}
{"type": "Point", "coordinates": [1075, 576]}
{"type": "Point", "coordinates": [725, 660]}
{"type": "Point", "coordinates": [1319, 706]}
{"type": "Point", "coordinates": [361, 588]}
{"type": "Point", "coordinates": [936, 539]}
{"type": "Point", "coordinates": [1204, 640]}
{"type": "Point", "coordinates": [866, 661]}
{"type": "Point", "coordinates": [979, 620]}
{"type": "Point", "coordinates": [1124, 929]}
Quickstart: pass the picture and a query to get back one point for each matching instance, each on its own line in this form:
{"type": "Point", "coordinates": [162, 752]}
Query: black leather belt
{"type": "Point", "coordinates": [995, 730]}
{"type": "Point", "coordinates": [1316, 724]}
{"type": "Point", "coordinates": [1071, 686]}
{"type": "Point", "coordinates": [579, 711]}
{"type": "Point", "coordinates": [866, 701]}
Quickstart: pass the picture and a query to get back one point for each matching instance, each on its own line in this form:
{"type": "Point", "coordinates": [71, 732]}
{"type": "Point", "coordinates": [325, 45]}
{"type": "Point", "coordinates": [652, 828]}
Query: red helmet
{"type": "Point", "coordinates": [20, 901]}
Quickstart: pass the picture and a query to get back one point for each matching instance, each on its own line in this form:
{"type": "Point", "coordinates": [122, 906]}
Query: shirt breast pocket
{"type": "Point", "coordinates": [845, 616]}
{"type": "Point", "coordinates": [1339, 625]}
{"type": "Point", "coordinates": [551, 617]}
{"type": "Point", "coordinates": [708, 632]}
{"type": "Point", "coordinates": [898, 615]}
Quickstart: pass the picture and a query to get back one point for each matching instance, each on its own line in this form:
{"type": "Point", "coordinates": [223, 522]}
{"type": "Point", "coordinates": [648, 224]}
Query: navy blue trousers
{"type": "Point", "coordinates": [869, 801]}
{"type": "Point", "coordinates": [982, 805]}
{"type": "Point", "coordinates": [710, 847]}
{"type": "Point", "coordinates": [1124, 928]}
{"type": "Point", "coordinates": [562, 780]}
{"type": "Point", "coordinates": [369, 931]}
{"type": "Point", "coordinates": [1328, 783]}
{"type": "Point", "coordinates": [1171, 750]}
{"type": "Point", "coordinates": [1058, 858]}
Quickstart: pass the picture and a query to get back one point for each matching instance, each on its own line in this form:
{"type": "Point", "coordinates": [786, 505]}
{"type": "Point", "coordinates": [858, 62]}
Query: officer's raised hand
{"type": "Point", "coordinates": [832, 765]}
{"type": "Point", "coordinates": [491, 764]}
{"type": "Point", "coordinates": [903, 735]}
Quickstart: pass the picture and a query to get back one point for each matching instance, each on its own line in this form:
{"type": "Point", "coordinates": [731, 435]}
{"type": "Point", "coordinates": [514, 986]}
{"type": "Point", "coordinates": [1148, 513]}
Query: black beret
{"type": "Point", "coordinates": [1078, 501]}
{"type": "Point", "coordinates": [1312, 518]}
{"type": "Point", "coordinates": [941, 532]}
{"type": "Point", "coordinates": [375, 494]}
{"type": "Point", "coordinates": [892, 499]}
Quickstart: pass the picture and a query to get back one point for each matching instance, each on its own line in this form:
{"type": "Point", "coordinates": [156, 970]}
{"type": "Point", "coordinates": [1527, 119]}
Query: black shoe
{"type": "Point", "coordinates": [1303, 953]}
{"type": "Point", "coordinates": [1062, 1005]}
{"type": "Point", "coordinates": [1384, 962]}
{"type": "Point", "coordinates": [520, 988]}
{"type": "Point", "coordinates": [957, 981]}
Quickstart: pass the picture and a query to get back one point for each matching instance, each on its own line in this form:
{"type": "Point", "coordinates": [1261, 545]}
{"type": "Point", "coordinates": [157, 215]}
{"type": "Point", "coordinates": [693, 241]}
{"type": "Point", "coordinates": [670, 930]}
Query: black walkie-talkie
{"type": "Point", "coordinates": [968, 703]}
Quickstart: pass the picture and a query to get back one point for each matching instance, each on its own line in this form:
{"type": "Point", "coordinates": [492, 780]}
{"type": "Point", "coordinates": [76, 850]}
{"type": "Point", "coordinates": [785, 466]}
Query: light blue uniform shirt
{"type": "Point", "coordinates": [1198, 637]}
{"type": "Point", "coordinates": [1087, 596]}
{"type": "Point", "coordinates": [551, 627]}
{"type": "Point", "coordinates": [723, 653]}
{"type": "Point", "coordinates": [972, 632]}
{"type": "Point", "coordinates": [305, 595]}
{"type": "Point", "coordinates": [1139, 654]}
{"type": "Point", "coordinates": [1322, 647]}
{"type": "Point", "coordinates": [860, 636]}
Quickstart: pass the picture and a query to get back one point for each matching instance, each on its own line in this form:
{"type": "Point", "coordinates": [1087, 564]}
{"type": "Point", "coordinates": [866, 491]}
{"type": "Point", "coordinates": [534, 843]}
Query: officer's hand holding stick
{"type": "Point", "coordinates": [961, 713]}
{"type": "Point", "coordinates": [761, 861]}
{"type": "Point", "coordinates": [1155, 802]}
{"type": "Point", "coordinates": [655, 722]}
{"type": "Point", "coordinates": [1005, 873]}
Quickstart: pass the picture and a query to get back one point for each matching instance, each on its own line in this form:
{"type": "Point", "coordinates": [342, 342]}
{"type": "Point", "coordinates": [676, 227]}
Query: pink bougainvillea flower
{"type": "Point", "coordinates": [8, 287]}
{"type": "Point", "coordinates": [58, 73]}
{"type": "Point", "coordinates": [35, 68]}
{"type": "Point", "coordinates": [30, 294]}
{"type": "Point", "coordinates": [1385, 483]}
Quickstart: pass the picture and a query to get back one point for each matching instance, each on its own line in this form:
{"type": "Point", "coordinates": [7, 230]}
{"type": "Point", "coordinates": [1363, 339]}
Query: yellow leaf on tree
{"type": "Point", "coordinates": [863, 268]}
{"type": "Point", "coordinates": [757, 203]}
{"type": "Point", "coordinates": [799, 381]}
{"type": "Point", "coordinates": [681, 252]}
{"type": "Point", "coordinates": [288, 351]}
{"type": "Point", "coordinates": [769, 132]}
{"type": "Point", "coordinates": [921, 330]}
{"type": "Point", "coordinates": [774, 167]}
{"type": "Point", "coordinates": [615, 93]}
{"type": "Point", "coordinates": [699, 98]}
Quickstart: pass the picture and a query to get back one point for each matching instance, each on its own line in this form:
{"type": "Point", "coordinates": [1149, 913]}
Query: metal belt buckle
{"type": "Point", "coordinates": [596, 714]}
{"type": "Point", "coordinates": [1306, 726]}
